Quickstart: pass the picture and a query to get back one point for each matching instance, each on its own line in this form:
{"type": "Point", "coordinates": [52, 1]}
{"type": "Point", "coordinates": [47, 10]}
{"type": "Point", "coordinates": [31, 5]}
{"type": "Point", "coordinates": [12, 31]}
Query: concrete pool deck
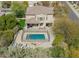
{"type": "Point", "coordinates": [32, 44]}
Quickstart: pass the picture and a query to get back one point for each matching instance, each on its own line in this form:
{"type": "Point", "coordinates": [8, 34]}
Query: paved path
{"type": "Point", "coordinates": [73, 9]}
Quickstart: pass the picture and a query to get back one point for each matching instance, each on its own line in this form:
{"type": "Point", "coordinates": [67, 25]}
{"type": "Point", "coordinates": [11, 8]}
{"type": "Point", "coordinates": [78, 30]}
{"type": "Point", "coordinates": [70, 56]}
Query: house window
{"type": "Point", "coordinates": [41, 18]}
{"type": "Point", "coordinates": [49, 24]}
{"type": "Point", "coordinates": [41, 24]}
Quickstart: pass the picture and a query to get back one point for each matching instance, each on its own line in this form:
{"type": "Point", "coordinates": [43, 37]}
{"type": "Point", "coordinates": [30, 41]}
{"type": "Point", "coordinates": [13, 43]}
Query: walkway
{"type": "Point", "coordinates": [73, 9]}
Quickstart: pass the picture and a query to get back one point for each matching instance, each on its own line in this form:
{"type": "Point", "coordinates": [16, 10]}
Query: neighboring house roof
{"type": "Point", "coordinates": [31, 3]}
{"type": "Point", "coordinates": [4, 10]}
{"type": "Point", "coordinates": [1, 13]}
{"type": "Point", "coordinates": [39, 10]}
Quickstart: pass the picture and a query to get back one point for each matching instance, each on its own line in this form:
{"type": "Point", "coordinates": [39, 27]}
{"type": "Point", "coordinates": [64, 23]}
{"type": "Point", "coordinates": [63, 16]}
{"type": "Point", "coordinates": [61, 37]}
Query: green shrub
{"type": "Point", "coordinates": [58, 40]}
{"type": "Point", "coordinates": [19, 9]}
{"type": "Point", "coordinates": [7, 22]}
{"type": "Point", "coordinates": [7, 25]}
{"type": "Point", "coordinates": [3, 51]}
{"type": "Point", "coordinates": [17, 52]}
{"type": "Point", "coordinates": [6, 38]}
{"type": "Point", "coordinates": [20, 13]}
{"type": "Point", "coordinates": [21, 23]}
{"type": "Point", "coordinates": [57, 52]}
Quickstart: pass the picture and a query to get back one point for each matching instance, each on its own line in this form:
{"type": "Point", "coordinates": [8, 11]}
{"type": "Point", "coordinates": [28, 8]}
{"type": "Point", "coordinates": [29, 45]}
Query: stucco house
{"type": "Point", "coordinates": [37, 32]}
{"type": "Point", "coordinates": [39, 16]}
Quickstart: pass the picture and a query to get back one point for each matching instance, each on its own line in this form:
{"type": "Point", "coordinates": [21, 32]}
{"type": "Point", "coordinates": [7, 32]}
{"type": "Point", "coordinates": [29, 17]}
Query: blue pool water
{"type": "Point", "coordinates": [35, 36]}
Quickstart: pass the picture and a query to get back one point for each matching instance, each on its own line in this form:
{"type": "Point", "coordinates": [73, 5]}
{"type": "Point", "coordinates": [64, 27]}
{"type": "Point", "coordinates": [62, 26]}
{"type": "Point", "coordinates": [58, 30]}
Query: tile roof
{"type": "Point", "coordinates": [1, 13]}
{"type": "Point", "coordinates": [39, 10]}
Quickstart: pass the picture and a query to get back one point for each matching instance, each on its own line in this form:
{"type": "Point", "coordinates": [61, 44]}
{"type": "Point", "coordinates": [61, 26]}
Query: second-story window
{"type": "Point", "coordinates": [41, 18]}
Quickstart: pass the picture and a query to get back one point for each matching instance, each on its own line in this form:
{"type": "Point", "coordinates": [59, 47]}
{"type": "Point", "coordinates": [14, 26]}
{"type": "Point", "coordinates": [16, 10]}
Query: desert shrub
{"type": "Point", "coordinates": [45, 3]}
{"type": "Point", "coordinates": [2, 52]}
{"type": "Point", "coordinates": [57, 52]}
{"type": "Point", "coordinates": [6, 38]}
{"type": "Point", "coordinates": [58, 40]}
{"type": "Point", "coordinates": [69, 29]}
{"type": "Point", "coordinates": [17, 52]}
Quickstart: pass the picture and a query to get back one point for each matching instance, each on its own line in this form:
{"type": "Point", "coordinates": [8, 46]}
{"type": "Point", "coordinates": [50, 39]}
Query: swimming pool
{"type": "Point", "coordinates": [35, 36]}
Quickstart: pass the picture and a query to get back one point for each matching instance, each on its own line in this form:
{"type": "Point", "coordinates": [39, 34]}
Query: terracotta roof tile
{"type": "Point", "coordinates": [39, 10]}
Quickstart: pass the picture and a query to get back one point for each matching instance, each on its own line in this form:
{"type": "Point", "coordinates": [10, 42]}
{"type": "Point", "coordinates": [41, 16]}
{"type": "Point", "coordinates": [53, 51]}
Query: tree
{"type": "Point", "coordinates": [58, 40]}
{"type": "Point", "coordinates": [45, 3]}
{"type": "Point", "coordinates": [74, 53]}
{"type": "Point", "coordinates": [69, 29]}
{"type": "Point", "coordinates": [60, 10]}
{"type": "Point", "coordinates": [25, 4]}
{"type": "Point", "coordinates": [7, 22]}
{"type": "Point", "coordinates": [19, 9]}
{"type": "Point", "coordinates": [6, 38]}
{"type": "Point", "coordinates": [2, 23]}
{"type": "Point", "coordinates": [6, 4]}
{"type": "Point", "coordinates": [57, 52]}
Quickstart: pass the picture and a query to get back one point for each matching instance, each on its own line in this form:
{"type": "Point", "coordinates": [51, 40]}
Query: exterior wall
{"type": "Point", "coordinates": [30, 16]}
{"type": "Point", "coordinates": [41, 15]}
{"type": "Point", "coordinates": [50, 19]}
{"type": "Point", "coordinates": [47, 18]}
